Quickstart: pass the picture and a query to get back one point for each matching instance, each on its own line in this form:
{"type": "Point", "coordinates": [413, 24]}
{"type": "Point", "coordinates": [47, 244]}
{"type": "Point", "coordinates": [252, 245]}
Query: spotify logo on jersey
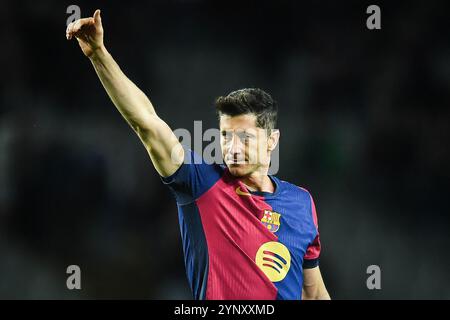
{"type": "Point", "coordinates": [274, 259]}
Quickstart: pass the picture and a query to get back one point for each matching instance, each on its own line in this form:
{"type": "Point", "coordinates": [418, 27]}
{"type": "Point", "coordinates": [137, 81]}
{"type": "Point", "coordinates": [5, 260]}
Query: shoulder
{"type": "Point", "coordinates": [193, 178]}
{"type": "Point", "coordinates": [303, 198]}
{"type": "Point", "coordinates": [301, 193]}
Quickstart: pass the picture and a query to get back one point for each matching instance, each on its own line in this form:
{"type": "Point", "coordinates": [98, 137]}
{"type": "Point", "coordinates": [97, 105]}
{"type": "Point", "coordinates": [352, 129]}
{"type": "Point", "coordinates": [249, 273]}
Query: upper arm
{"type": "Point", "coordinates": [162, 145]}
{"type": "Point", "coordinates": [184, 171]}
{"type": "Point", "coordinates": [313, 285]}
{"type": "Point", "coordinates": [311, 258]}
{"type": "Point", "coordinates": [193, 178]}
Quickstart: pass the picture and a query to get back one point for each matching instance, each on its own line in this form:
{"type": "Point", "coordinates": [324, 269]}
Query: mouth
{"type": "Point", "coordinates": [236, 162]}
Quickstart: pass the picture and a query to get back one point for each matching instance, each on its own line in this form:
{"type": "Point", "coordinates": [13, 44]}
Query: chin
{"type": "Point", "coordinates": [239, 170]}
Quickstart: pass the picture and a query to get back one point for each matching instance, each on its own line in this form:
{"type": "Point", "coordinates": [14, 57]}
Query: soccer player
{"type": "Point", "coordinates": [246, 234]}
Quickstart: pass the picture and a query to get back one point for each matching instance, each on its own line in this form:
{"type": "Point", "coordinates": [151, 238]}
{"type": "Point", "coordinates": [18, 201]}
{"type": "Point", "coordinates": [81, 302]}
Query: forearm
{"type": "Point", "coordinates": [131, 102]}
{"type": "Point", "coordinates": [161, 143]}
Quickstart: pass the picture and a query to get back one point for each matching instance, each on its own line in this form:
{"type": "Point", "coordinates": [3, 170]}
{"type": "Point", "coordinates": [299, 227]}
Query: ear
{"type": "Point", "coordinates": [273, 139]}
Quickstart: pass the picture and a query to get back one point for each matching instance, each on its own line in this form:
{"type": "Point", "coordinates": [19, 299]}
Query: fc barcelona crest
{"type": "Point", "coordinates": [271, 220]}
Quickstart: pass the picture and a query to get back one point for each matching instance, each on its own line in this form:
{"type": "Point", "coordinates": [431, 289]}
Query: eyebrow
{"type": "Point", "coordinates": [239, 132]}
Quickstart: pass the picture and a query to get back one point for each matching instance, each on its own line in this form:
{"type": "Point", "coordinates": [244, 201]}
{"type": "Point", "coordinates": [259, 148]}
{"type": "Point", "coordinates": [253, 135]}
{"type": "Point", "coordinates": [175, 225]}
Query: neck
{"type": "Point", "coordinates": [259, 181]}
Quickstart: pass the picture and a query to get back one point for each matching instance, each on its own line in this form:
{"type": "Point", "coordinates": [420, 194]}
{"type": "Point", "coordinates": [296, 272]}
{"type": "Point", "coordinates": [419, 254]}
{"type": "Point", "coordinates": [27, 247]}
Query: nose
{"type": "Point", "coordinates": [236, 145]}
{"type": "Point", "coordinates": [236, 151]}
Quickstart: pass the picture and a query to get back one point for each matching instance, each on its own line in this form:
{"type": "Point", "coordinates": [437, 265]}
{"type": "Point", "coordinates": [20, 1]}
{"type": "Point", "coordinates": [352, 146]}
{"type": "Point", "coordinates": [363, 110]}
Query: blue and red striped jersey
{"type": "Point", "coordinates": [242, 245]}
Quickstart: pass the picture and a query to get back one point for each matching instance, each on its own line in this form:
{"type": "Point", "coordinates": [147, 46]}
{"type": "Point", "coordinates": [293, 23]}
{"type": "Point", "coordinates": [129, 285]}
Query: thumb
{"type": "Point", "coordinates": [97, 17]}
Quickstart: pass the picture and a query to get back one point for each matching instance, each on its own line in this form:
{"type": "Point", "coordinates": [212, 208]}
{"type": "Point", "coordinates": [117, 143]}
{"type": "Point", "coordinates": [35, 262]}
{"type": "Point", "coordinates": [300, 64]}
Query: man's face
{"type": "Point", "coordinates": [245, 147]}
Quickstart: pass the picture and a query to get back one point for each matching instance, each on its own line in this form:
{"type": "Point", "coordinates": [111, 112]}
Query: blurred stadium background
{"type": "Point", "coordinates": [364, 120]}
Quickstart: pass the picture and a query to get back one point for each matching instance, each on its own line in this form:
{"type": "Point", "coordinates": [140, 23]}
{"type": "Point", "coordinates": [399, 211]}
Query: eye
{"type": "Point", "coordinates": [248, 137]}
{"type": "Point", "coordinates": [244, 137]}
{"type": "Point", "coordinates": [226, 135]}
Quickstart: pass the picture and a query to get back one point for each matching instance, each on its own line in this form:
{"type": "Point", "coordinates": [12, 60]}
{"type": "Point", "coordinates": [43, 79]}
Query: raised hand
{"type": "Point", "coordinates": [88, 32]}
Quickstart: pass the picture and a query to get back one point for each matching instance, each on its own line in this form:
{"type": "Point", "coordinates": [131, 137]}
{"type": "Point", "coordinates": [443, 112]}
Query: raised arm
{"type": "Point", "coordinates": [161, 143]}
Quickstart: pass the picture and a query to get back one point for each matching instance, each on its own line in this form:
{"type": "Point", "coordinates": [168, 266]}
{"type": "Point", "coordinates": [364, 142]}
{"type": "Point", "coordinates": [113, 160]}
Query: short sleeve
{"type": "Point", "coordinates": [193, 178]}
{"type": "Point", "coordinates": [311, 258]}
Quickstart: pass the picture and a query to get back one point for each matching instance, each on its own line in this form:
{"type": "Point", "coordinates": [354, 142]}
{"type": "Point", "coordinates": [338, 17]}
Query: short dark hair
{"type": "Point", "coordinates": [250, 101]}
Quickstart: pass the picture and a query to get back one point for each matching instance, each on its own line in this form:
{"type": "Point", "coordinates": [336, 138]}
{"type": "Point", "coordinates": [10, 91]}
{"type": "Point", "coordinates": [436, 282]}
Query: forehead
{"type": "Point", "coordinates": [242, 122]}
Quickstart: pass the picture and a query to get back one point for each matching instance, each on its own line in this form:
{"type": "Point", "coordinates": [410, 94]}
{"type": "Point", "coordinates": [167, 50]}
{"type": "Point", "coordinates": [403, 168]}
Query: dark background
{"type": "Point", "coordinates": [364, 121]}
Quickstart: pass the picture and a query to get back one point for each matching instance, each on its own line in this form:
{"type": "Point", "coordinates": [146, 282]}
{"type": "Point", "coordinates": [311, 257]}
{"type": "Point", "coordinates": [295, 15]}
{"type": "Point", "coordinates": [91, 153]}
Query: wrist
{"type": "Point", "coordinates": [98, 53]}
